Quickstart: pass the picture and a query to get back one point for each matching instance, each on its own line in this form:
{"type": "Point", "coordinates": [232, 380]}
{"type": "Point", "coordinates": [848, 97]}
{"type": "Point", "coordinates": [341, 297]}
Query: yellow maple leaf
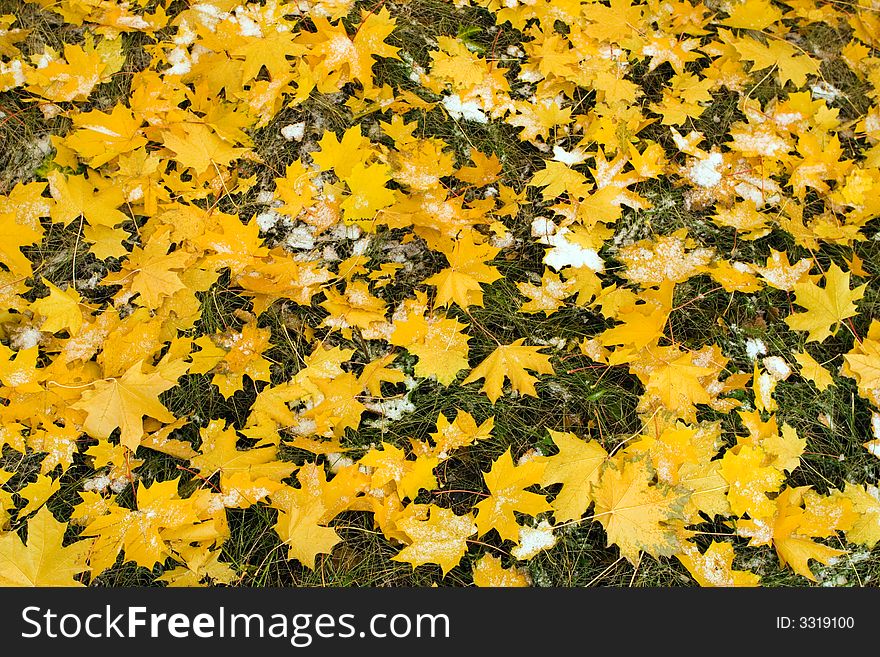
{"type": "Point", "coordinates": [59, 444]}
{"type": "Point", "coordinates": [547, 297]}
{"type": "Point", "coordinates": [750, 480]}
{"type": "Point", "coordinates": [6, 504]}
{"type": "Point", "coordinates": [356, 307]}
{"type": "Point", "coordinates": [18, 369]}
{"type": "Point", "coordinates": [670, 449]}
{"type": "Point", "coordinates": [206, 358]}
{"type": "Point", "coordinates": [151, 271]}
{"type": "Point", "coordinates": [60, 310]}
{"type": "Point", "coordinates": [641, 324]}
{"type": "Point", "coordinates": [37, 493]}
{"type": "Point", "coordinates": [11, 36]}
{"type": "Point", "coordinates": [461, 432]}
{"type": "Point", "coordinates": [486, 169]}
{"type": "Point", "coordinates": [506, 482]}
{"type": "Point", "coordinates": [441, 538]}
{"type": "Point", "coordinates": [793, 65]}
{"type": "Point", "coordinates": [339, 407]}
{"type": "Point", "coordinates": [798, 516]}
{"type": "Point", "coordinates": [75, 76]}
{"type": "Point", "coordinates": [488, 572]}
{"type": "Point", "coordinates": [745, 218]}
{"type": "Point", "coordinates": [826, 307]}
{"type": "Point", "coordinates": [734, 277]}
{"type": "Point", "coordinates": [342, 155]}
{"type": "Point", "coordinates": [865, 501]}
{"type": "Point", "coordinates": [763, 386]}
{"type": "Point", "coordinates": [90, 197]}
{"type": "Point", "coordinates": [557, 178]}
{"type": "Point", "coordinates": [677, 380]}
{"type": "Point", "coordinates": [99, 137]}
{"type": "Point", "coordinates": [862, 363]}
{"type": "Point", "coordinates": [301, 527]}
{"type": "Point", "coordinates": [340, 493]}
{"type": "Point", "coordinates": [753, 15]}
{"type": "Point", "coordinates": [510, 361]}
{"type": "Point", "coordinates": [337, 59]}
{"type": "Point", "coordinates": [813, 371]}
{"type": "Point", "coordinates": [409, 476]}
{"type": "Point", "coordinates": [25, 201]}
{"type": "Point", "coordinates": [199, 564]}
{"type": "Point", "coordinates": [714, 567]}
{"type": "Point", "coordinates": [438, 341]}
{"type": "Point", "coordinates": [708, 490]}
{"type": "Point", "coordinates": [122, 402]}
{"type": "Point", "coordinates": [140, 533]}
{"type": "Point", "coordinates": [785, 448]}
{"type": "Point", "coordinates": [665, 259]}
{"type": "Point", "coordinates": [161, 441]}
{"type": "Point", "coordinates": [245, 356]}
{"type": "Point", "coordinates": [638, 515]}
{"type": "Point", "coordinates": [105, 242]}
{"type": "Point", "coordinates": [196, 145]}
{"type": "Point", "coordinates": [460, 282]}
{"type": "Point", "coordinates": [685, 98]}
{"type": "Point", "coordinates": [13, 236]}
{"type": "Point", "coordinates": [778, 272]}
{"type": "Point", "coordinates": [42, 561]}
{"type": "Point", "coordinates": [218, 454]}
{"type": "Point", "coordinates": [375, 372]}
{"type": "Point", "coordinates": [368, 193]}
{"type": "Point", "coordinates": [577, 467]}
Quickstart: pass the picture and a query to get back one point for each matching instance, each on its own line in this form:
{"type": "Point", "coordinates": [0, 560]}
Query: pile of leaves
{"type": "Point", "coordinates": [467, 280]}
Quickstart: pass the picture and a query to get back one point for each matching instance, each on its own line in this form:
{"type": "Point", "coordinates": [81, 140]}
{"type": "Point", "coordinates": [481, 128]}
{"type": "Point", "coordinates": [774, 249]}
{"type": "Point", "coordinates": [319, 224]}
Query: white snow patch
{"type": "Point", "coordinates": [14, 68]}
{"type": "Point", "coordinates": [133, 22]}
{"type": "Point", "coordinates": [26, 338]}
{"type": "Point", "coordinates": [569, 254]}
{"type": "Point", "coordinates": [825, 91]}
{"type": "Point", "coordinates": [99, 483]}
{"type": "Point", "coordinates": [543, 227]}
{"type": "Point", "coordinates": [705, 172]}
{"type": "Point", "coordinates": [872, 123]}
{"type": "Point", "coordinates": [360, 246]}
{"type": "Point", "coordinates": [468, 110]}
{"type": "Point", "coordinates": [180, 61]}
{"type": "Point", "coordinates": [755, 347]}
{"type": "Point", "coordinates": [344, 232]}
{"type": "Point", "coordinates": [570, 158]}
{"type": "Point", "coordinates": [534, 539]}
{"type": "Point", "coordinates": [392, 409]}
{"type": "Point", "coordinates": [564, 253]}
{"type": "Point", "coordinates": [294, 131]}
{"type": "Point", "coordinates": [248, 27]}
{"type": "Point", "coordinates": [337, 461]}
{"type": "Point", "coordinates": [89, 283]}
{"type": "Point", "coordinates": [265, 197]}
{"type": "Point", "coordinates": [765, 389]}
{"type": "Point", "coordinates": [119, 484]}
{"type": "Point", "coordinates": [300, 238]}
{"type": "Point", "coordinates": [777, 368]}
{"type": "Point", "coordinates": [268, 220]}
{"type": "Point", "coordinates": [50, 110]}
{"type": "Point", "coordinates": [502, 241]}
